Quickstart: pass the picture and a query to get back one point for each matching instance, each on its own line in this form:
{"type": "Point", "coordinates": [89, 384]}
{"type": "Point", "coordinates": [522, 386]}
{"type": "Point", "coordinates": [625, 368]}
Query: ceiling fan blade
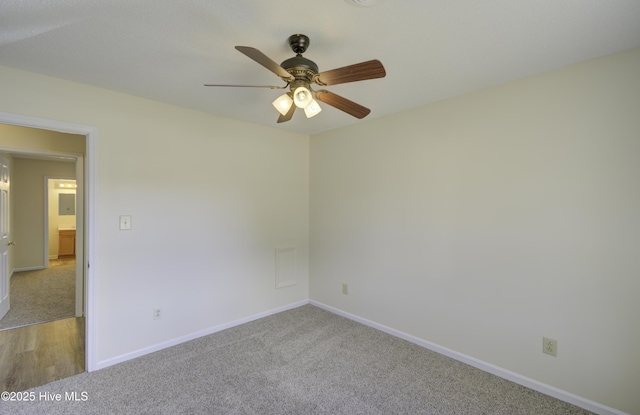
{"type": "Point", "coordinates": [342, 104]}
{"type": "Point", "coordinates": [248, 86]}
{"type": "Point", "coordinates": [288, 115]}
{"type": "Point", "coordinates": [265, 61]}
{"type": "Point", "coordinates": [358, 72]}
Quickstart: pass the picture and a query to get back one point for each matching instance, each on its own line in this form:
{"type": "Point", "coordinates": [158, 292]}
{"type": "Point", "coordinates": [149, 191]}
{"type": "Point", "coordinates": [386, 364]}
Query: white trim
{"type": "Point", "coordinates": [484, 366]}
{"type": "Point", "coordinates": [91, 149]}
{"type": "Point", "coordinates": [169, 343]}
{"type": "Point", "coordinates": [61, 156]}
{"type": "Point", "coordinates": [28, 269]}
{"type": "Point", "coordinates": [80, 234]}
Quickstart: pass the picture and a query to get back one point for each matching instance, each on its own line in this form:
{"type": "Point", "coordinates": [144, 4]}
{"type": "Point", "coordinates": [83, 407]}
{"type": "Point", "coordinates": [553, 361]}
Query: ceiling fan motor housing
{"type": "Point", "coordinates": [301, 68]}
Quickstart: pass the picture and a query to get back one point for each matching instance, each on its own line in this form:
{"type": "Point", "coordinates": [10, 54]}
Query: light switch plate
{"type": "Point", "coordinates": [125, 222]}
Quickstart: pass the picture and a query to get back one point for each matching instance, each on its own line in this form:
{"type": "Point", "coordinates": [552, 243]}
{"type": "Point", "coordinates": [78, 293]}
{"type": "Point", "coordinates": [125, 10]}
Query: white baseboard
{"type": "Point", "coordinates": [174, 342]}
{"type": "Point", "coordinates": [28, 269]}
{"type": "Point", "coordinates": [487, 367]}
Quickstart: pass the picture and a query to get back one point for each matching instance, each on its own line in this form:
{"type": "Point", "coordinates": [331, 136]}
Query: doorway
{"type": "Point", "coordinates": [43, 288]}
{"type": "Point", "coordinates": [85, 202]}
{"type": "Point", "coordinates": [63, 244]}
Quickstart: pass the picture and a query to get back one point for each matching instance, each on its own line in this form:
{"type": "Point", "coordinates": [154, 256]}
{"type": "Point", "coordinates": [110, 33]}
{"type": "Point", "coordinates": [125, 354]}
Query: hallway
{"type": "Point", "coordinates": [42, 295]}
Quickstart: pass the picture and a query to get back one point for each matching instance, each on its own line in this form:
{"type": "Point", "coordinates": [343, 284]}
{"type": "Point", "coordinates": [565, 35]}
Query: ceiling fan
{"type": "Point", "coordinates": [300, 73]}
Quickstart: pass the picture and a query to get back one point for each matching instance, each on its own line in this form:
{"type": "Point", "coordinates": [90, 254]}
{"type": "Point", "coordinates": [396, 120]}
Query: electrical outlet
{"type": "Point", "coordinates": [345, 289]}
{"type": "Point", "coordinates": [156, 314]}
{"type": "Point", "coordinates": [549, 346]}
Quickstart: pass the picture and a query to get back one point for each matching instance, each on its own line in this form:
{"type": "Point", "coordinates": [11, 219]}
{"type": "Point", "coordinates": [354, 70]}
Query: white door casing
{"type": "Point", "coordinates": [80, 269]}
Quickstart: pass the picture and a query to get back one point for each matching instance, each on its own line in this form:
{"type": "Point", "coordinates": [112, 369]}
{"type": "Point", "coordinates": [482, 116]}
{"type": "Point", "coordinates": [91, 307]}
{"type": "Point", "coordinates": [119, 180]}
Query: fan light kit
{"type": "Point", "coordinates": [300, 73]}
{"type": "Point", "coordinates": [302, 97]}
{"type": "Point", "coordinates": [283, 103]}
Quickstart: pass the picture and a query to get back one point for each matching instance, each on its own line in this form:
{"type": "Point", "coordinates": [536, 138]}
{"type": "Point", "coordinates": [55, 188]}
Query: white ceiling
{"type": "Point", "coordinates": [432, 50]}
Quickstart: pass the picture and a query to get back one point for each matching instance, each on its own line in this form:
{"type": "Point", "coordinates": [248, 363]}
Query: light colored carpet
{"type": "Point", "coordinates": [301, 361]}
{"type": "Point", "coordinates": [41, 296]}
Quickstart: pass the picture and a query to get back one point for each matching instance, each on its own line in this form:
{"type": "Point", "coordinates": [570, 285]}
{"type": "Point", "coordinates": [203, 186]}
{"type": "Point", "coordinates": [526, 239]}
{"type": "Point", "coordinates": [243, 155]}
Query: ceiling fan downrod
{"type": "Point", "coordinates": [299, 43]}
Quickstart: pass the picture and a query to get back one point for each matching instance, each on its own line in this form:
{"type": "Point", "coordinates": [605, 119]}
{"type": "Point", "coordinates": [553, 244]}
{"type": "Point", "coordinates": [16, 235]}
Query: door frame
{"type": "Point", "coordinates": [79, 294]}
{"type": "Point", "coordinates": [90, 190]}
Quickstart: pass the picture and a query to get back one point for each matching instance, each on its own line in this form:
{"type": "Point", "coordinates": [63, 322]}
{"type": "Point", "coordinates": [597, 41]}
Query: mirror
{"type": "Point", "coordinates": [67, 204]}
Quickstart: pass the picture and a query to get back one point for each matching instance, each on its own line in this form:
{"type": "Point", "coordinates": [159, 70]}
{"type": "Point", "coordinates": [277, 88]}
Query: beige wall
{"type": "Point", "coordinates": [36, 139]}
{"type": "Point", "coordinates": [488, 221]}
{"type": "Point", "coordinates": [32, 140]}
{"type": "Point", "coordinates": [210, 200]}
{"type": "Point", "coordinates": [481, 223]}
{"type": "Point", "coordinates": [28, 208]}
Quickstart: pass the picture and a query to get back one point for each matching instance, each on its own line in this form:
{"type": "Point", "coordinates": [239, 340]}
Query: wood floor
{"type": "Point", "coordinates": [41, 353]}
